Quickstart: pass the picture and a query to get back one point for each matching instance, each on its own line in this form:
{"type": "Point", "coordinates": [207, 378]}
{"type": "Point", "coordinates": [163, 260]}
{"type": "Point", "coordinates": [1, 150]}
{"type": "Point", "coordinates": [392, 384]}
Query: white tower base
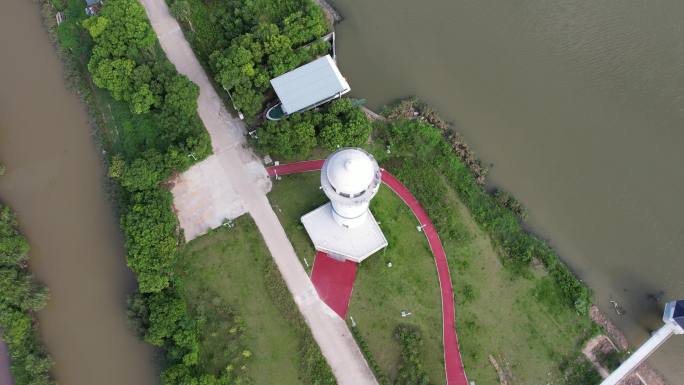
{"type": "Point", "coordinates": [355, 243]}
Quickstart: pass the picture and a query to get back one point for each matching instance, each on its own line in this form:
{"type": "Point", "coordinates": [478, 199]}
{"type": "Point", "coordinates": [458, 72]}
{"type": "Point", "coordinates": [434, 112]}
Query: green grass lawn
{"type": "Point", "coordinates": [232, 281]}
{"type": "Point", "coordinates": [292, 197]}
{"type": "Point", "coordinates": [380, 293]}
{"type": "Point", "coordinates": [515, 318]}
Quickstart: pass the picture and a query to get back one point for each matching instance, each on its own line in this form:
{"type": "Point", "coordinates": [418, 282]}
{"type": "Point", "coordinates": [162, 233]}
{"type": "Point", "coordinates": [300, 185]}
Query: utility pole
{"type": "Point", "coordinates": [673, 317]}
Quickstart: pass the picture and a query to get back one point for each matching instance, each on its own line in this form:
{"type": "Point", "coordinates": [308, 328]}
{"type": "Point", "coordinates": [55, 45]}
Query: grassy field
{"type": "Point", "coordinates": [380, 292]}
{"type": "Point", "coordinates": [231, 280]}
{"type": "Point", "coordinates": [517, 319]}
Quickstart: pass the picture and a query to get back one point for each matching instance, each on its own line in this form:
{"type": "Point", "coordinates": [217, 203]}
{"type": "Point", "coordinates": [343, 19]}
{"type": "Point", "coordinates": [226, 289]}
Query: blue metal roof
{"type": "Point", "coordinates": [678, 314]}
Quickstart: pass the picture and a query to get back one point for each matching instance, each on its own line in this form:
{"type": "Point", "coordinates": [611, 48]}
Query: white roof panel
{"type": "Point", "coordinates": [309, 84]}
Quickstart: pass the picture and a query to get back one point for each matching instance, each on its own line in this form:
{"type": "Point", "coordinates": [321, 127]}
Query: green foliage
{"type": "Point", "coordinates": [339, 124]}
{"type": "Point", "coordinates": [292, 137]}
{"type": "Point", "coordinates": [120, 30]}
{"type": "Point", "coordinates": [426, 163]}
{"type": "Point", "coordinates": [151, 125]}
{"type": "Point", "coordinates": [180, 9]}
{"type": "Point", "coordinates": [149, 225]}
{"type": "Point", "coordinates": [610, 360]}
{"type": "Point", "coordinates": [314, 368]}
{"type": "Point", "coordinates": [411, 370]}
{"type": "Point", "coordinates": [581, 372]}
{"type": "Point", "coordinates": [20, 296]}
{"type": "Point", "coordinates": [344, 125]}
{"type": "Point", "coordinates": [164, 320]}
{"type": "Point", "coordinates": [13, 247]}
{"type": "Point", "coordinates": [263, 51]}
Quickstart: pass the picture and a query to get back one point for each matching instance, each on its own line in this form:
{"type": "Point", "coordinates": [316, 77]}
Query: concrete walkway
{"type": "Point", "coordinates": [453, 365]}
{"type": "Point", "coordinates": [236, 164]}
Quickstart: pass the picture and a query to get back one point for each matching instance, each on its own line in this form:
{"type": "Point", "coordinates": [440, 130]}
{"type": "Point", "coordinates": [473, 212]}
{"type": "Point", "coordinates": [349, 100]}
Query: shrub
{"type": "Point", "coordinates": [411, 370]}
{"type": "Point", "coordinates": [581, 372]}
{"type": "Point", "coordinates": [20, 296]}
{"type": "Point", "coordinates": [339, 124]}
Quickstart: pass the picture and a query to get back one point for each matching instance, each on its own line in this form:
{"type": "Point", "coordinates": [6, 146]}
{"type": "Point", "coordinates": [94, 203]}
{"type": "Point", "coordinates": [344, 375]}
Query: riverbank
{"type": "Point", "coordinates": [537, 251]}
{"type": "Point", "coordinates": [20, 298]}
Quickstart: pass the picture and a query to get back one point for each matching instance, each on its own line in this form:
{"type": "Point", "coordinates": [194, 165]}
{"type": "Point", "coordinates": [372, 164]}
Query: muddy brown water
{"type": "Point", "coordinates": [580, 108]}
{"type": "Point", "coordinates": [54, 182]}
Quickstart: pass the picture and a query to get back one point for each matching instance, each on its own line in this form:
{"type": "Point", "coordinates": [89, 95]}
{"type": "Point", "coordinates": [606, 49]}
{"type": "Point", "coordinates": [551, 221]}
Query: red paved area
{"type": "Point", "coordinates": [453, 364]}
{"type": "Point", "coordinates": [295, 168]}
{"type": "Point", "coordinates": [334, 281]}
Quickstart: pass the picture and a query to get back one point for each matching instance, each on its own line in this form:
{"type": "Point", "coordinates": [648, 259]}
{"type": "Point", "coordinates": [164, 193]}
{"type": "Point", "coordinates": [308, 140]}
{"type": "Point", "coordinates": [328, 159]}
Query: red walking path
{"type": "Point", "coordinates": [334, 281]}
{"type": "Point", "coordinates": [453, 364]}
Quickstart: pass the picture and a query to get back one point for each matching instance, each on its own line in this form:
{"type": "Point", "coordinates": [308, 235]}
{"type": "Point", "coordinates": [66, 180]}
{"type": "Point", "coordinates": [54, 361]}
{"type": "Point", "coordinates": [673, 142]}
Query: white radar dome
{"type": "Point", "coordinates": [351, 171]}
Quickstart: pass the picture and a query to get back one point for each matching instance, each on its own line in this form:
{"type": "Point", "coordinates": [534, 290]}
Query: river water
{"type": "Point", "coordinates": [54, 182]}
{"type": "Point", "coordinates": [578, 105]}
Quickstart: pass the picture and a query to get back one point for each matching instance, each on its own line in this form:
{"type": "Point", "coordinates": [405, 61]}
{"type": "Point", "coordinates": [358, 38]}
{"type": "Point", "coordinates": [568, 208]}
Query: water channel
{"type": "Point", "coordinates": [578, 105]}
{"type": "Point", "coordinates": [54, 182]}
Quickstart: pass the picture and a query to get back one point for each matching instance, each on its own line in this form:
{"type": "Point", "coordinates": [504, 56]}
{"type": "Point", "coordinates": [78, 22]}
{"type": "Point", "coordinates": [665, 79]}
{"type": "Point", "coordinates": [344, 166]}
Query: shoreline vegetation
{"type": "Point", "coordinates": [228, 38]}
{"type": "Point", "coordinates": [20, 298]}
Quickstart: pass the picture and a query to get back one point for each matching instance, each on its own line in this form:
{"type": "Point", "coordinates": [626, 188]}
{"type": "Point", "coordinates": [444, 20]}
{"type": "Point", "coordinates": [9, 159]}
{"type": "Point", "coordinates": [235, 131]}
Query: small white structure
{"type": "Point", "coordinates": [673, 317]}
{"type": "Point", "coordinates": [308, 86]}
{"type": "Point", "coordinates": [345, 228]}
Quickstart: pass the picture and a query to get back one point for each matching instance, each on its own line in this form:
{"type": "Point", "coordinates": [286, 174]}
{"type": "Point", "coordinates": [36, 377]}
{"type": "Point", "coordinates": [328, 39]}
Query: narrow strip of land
{"type": "Point", "coordinates": [453, 364]}
{"type": "Point", "coordinates": [237, 165]}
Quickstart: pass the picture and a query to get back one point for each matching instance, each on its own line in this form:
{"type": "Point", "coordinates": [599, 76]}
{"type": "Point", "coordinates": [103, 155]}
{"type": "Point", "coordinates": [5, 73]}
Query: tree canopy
{"type": "Point", "coordinates": [339, 124]}
{"type": "Point", "coordinates": [266, 51]}
{"type": "Point", "coordinates": [20, 296]}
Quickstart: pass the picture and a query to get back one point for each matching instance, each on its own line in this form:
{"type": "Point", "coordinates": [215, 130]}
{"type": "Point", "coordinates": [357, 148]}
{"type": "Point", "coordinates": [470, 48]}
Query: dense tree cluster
{"type": "Point", "coordinates": [20, 296]}
{"type": "Point", "coordinates": [125, 60]}
{"type": "Point", "coordinates": [267, 51]}
{"type": "Point", "coordinates": [339, 124]}
{"type": "Point", "coordinates": [163, 319]}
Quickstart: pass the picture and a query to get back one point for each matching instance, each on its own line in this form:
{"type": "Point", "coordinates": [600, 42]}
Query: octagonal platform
{"type": "Point", "coordinates": [354, 244]}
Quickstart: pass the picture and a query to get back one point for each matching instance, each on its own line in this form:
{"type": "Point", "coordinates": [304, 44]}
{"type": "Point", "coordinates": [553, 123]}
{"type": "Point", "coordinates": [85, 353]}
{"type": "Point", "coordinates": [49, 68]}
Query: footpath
{"type": "Point", "coordinates": [453, 365]}
{"type": "Point", "coordinates": [235, 164]}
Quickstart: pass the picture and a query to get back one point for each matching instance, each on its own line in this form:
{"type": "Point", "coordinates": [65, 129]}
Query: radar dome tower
{"type": "Point", "coordinates": [350, 177]}
{"type": "Point", "coordinates": [345, 228]}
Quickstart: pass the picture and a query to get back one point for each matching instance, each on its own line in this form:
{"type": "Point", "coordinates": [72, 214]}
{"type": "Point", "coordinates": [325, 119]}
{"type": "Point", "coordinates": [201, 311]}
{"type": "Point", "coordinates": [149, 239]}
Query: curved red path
{"type": "Point", "coordinates": [452, 356]}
